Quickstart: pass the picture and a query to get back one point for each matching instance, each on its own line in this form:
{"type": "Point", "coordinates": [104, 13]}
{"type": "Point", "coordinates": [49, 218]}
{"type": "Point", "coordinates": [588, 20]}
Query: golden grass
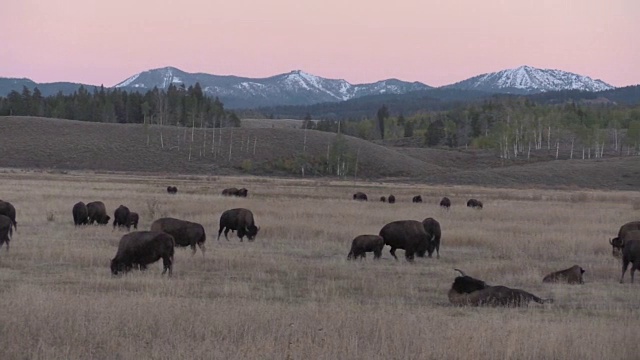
{"type": "Point", "coordinates": [292, 294]}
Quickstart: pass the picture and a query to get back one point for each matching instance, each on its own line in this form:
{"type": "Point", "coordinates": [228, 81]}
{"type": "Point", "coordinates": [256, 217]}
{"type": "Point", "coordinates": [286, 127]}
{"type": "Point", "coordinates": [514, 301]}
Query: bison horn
{"type": "Point", "coordinates": [460, 271]}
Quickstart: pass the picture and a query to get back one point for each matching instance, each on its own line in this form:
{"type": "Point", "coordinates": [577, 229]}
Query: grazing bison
{"type": "Point", "coordinates": [629, 247]}
{"type": "Point", "coordinates": [97, 213]}
{"type": "Point", "coordinates": [473, 203]}
{"type": "Point", "coordinates": [230, 192]}
{"type": "Point", "coordinates": [360, 196]}
{"type": "Point", "coordinates": [383, 199]}
{"type": "Point", "coordinates": [185, 233]}
{"type": "Point", "coordinates": [132, 220]}
{"type": "Point", "coordinates": [7, 209]}
{"type": "Point", "coordinates": [392, 199]}
{"type": "Point", "coordinates": [467, 291]}
{"type": "Point", "coordinates": [121, 217]}
{"type": "Point", "coordinates": [617, 241]}
{"type": "Point", "coordinates": [140, 248]}
{"type": "Point", "coordinates": [80, 214]}
{"type": "Point", "coordinates": [417, 199]}
{"type": "Point", "coordinates": [432, 227]}
{"type": "Point", "coordinates": [572, 275]}
{"type": "Point", "coordinates": [240, 220]}
{"type": "Point", "coordinates": [242, 192]}
{"type": "Point", "coordinates": [172, 189]}
{"type": "Point", "coordinates": [408, 235]}
{"type": "Point", "coordinates": [363, 244]}
{"type": "Point", "coordinates": [6, 230]}
{"type": "Point", "coordinates": [445, 203]}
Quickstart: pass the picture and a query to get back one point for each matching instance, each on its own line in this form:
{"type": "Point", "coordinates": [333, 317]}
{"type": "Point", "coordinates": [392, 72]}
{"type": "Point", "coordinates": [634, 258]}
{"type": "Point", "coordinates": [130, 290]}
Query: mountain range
{"type": "Point", "coordinates": [300, 88]}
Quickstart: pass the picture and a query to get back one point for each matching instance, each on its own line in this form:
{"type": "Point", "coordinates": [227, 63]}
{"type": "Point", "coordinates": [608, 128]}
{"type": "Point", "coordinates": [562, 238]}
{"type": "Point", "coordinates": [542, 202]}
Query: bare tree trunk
{"type": "Point", "coordinates": [529, 151]}
{"type": "Point", "coordinates": [304, 144]}
{"type": "Point", "coordinates": [602, 149]}
{"type": "Point", "coordinates": [557, 148]}
{"type": "Point", "coordinates": [549, 138]}
{"type": "Point", "coordinates": [220, 141]}
{"type": "Point", "coordinates": [255, 141]}
{"type": "Point", "coordinates": [213, 138]}
{"type": "Point", "coordinates": [355, 171]}
{"type": "Point", "coordinates": [230, 143]}
{"type": "Point", "coordinates": [571, 156]}
{"type": "Point", "coordinates": [583, 153]}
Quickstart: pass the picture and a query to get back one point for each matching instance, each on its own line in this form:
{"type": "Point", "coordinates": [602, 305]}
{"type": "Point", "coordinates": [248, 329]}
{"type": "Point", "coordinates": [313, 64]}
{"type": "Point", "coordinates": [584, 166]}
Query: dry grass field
{"type": "Point", "coordinates": [291, 294]}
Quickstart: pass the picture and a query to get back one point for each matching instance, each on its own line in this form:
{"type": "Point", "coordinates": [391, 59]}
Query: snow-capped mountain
{"type": "Point", "coordinates": [527, 79]}
{"type": "Point", "coordinates": [294, 88]}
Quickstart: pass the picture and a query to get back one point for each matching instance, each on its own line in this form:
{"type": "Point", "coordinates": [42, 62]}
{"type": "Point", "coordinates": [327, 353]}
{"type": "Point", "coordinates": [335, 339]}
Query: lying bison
{"type": "Point", "coordinates": [172, 189]}
{"type": "Point", "coordinates": [132, 220]}
{"type": "Point", "coordinates": [360, 196]}
{"type": "Point", "coordinates": [242, 192]}
{"type": "Point", "coordinates": [121, 217]}
{"type": "Point", "coordinates": [408, 235]}
{"type": "Point", "coordinates": [185, 233]}
{"type": "Point", "coordinates": [7, 209]}
{"type": "Point", "coordinates": [392, 199]}
{"type": "Point", "coordinates": [629, 248]}
{"type": "Point", "coordinates": [617, 241]}
{"type": "Point", "coordinates": [445, 203]}
{"type": "Point", "coordinates": [363, 244]}
{"type": "Point", "coordinates": [140, 248]}
{"type": "Point", "coordinates": [80, 214]}
{"type": "Point", "coordinates": [572, 275]}
{"type": "Point", "coordinates": [475, 204]}
{"type": "Point", "coordinates": [6, 230]}
{"type": "Point", "coordinates": [432, 227]}
{"type": "Point", "coordinates": [467, 291]}
{"type": "Point", "coordinates": [240, 220]}
{"type": "Point", "coordinates": [97, 213]}
{"type": "Point", "coordinates": [417, 199]}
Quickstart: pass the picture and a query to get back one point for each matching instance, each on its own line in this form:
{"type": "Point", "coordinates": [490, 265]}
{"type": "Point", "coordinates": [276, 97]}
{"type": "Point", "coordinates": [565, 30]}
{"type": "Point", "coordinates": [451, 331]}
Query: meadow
{"type": "Point", "coordinates": [292, 294]}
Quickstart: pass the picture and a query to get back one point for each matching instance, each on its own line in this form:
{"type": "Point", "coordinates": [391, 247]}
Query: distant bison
{"type": "Point", "coordinates": [97, 213]}
{"type": "Point", "coordinates": [383, 199]}
{"type": "Point", "coordinates": [432, 227]}
{"type": "Point", "coordinates": [445, 202]}
{"type": "Point", "coordinates": [6, 230]}
{"type": "Point", "coordinates": [80, 214]}
{"type": "Point", "coordinates": [408, 235]}
{"type": "Point", "coordinates": [392, 199]}
{"type": "Point", "coordinates": [617, 241]}
{"type": "Point", "coordinates": [172, 189]}
{"type": "Point", "coordinates": [360, 196]}
{"type": "Point", "coordinates": [366, 243]}
{"type": "Point", "coordinates": [473, 203]}
{"type": "Point", "coordinates": [629, 247]}
{"type": "Point", "coordinates": [572, 275]}
{"type": "Point", "coordinates": [240, 220]}
{"type": "Point", "coordinates": [7, 209]}
{"type": "Point", "coordinates": [242, 192]}
{"type": "Point", "coordinates": [121, 217]}
{"type": "Point", "coordinates": [132, 220]}
{"type": "Point", "coordinates": [467, 291]}
{"type": "Point", "coordinates": [230, 192]}
{"type": "Point", "coordinates": [185, 233]}
{"type": "Point", "coordinates": [140, 248]}
{"type": "Point", "coordinates": [417, 199]}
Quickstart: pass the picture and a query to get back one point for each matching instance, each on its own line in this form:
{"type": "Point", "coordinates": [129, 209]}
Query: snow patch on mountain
{"type": "Point", "coordinates": [128, 81]}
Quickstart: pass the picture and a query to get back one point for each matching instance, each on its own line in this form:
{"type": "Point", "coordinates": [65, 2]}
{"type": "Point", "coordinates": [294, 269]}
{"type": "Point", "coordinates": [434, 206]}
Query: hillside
{"type": "Point", "coordinates": [38, 143]}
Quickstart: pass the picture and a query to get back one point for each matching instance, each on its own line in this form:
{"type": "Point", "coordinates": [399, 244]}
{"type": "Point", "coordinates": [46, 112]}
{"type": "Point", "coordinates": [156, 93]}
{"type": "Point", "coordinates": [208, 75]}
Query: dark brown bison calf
{"type": "Point", "coordinates": [363, 244]}
{"type": "Point", "coordinates": [572, 275]}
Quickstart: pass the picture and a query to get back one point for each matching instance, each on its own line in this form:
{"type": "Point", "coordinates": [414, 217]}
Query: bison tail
{"type": "Point", "coordinates": [461, 272]}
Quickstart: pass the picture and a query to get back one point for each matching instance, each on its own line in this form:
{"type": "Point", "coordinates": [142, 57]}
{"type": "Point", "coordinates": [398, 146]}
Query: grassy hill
{"type": "Point", "coordinates": [38, 143]}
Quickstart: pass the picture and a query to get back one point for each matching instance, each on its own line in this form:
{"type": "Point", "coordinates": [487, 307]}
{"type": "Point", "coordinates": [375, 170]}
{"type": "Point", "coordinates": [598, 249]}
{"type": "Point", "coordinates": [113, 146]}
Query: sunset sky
{"type": "Point", "coordinates": [437, 42]}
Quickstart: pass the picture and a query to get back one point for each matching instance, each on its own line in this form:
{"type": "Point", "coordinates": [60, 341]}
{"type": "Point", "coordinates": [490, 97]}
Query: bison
{"type": "Point", "coordinates": [392, 199]}
{"type": "Point", "coordinates": [140, 248]}
{"type": "Point", "coordinates": [185, 233]}
{"type": "Point", "coordinates": [408, 235]}
{"type": "Point", "coordinates": [617, 241]}
{"type": "Point", "coordinates": [240, 220]}
{"type": "Point", "coordinates": [242, 192]}
{"type": "Point", "coordinates": [97, 213]}
{"type": "Point", "coordinates": [121, 217]}
{"type": "Point", "coordinates": [572, 275]}
{"type": "Point", "coordinates": [230, 192]}
{"type": "Point", "coordinates": [80, 214]}
{"type": "Point", "coordinates": [629, 248]}
{"type": "Point", "coordinates": [432, 227]}
{"type": "Point", "coordinates": [417, 199]}
{"type": "Point", "coordinates": [445, 203]}
{"type": "Point", "coordinates": [383, 199]}
{"type": "Point", "coordinates": [132, 220]}
{"type": "Point", "coordinates": [360, 196]}
{"type": "Point", "coordinates": [172, 189]}
{"type": "Point", "coordinates": [467, 291]}
{"type": "Point", "coordinates": [475, 204]}
{"type": "Point", "coordinates": [363, 244]}
{"type": "Point", "coordinates": [7, 209]}
{"type": "Point", "coordinates": [6, 230]}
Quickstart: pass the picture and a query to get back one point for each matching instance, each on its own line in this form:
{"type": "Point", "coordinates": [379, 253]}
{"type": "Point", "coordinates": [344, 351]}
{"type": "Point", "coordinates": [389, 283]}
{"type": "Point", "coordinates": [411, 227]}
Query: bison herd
{"type": "Point", "coordinates": [140, 248]}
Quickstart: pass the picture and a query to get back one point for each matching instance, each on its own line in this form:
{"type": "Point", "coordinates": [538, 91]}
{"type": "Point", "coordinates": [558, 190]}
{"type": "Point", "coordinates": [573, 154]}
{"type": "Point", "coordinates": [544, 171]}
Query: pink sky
{"type": "Point", "coordinates": [437, 42]}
